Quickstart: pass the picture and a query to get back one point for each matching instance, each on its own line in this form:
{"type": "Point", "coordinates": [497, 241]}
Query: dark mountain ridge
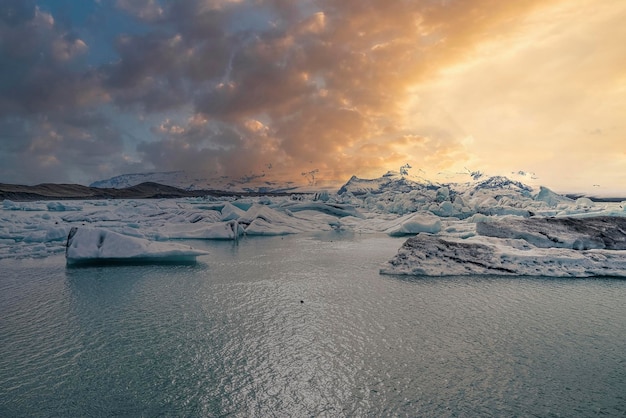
{"type": "Point", "coordinates": [147, 190]}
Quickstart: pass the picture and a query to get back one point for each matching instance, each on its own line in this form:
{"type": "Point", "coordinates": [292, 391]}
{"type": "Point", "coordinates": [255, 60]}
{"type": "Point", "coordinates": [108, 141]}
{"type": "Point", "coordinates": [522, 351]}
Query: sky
{"type": "Point", "coordinates": [91, 89]}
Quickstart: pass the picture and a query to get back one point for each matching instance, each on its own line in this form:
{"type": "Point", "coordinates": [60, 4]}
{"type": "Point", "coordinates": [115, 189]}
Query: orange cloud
{"type": "Point", "coordinates": [346, 87]}
{"type": "Point", "coordinates": [545, 96]}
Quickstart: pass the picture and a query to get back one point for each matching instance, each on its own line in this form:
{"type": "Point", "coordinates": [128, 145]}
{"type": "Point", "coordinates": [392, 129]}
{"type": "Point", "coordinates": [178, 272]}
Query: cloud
{"type": "Point", "coordinates": [16, 12]}
{"type": "Point", "coordinates": [544, 97]}
{"type": "Point", "coordinates": [324, 77]}
{"type": "Point", "coordinates": [148, 10]}
{"type": "Point", "coordinates": [48, 133]}
{"type": "Point", "coordinates": [349, 87]}
{"type": "Point", "coordinates": [56, 147]}
{"type": "Point", "coordinates": [37, 56]}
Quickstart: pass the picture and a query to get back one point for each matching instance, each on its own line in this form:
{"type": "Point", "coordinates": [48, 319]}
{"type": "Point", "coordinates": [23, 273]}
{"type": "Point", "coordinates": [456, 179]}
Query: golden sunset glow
{"type": "Point", "coordinates": [343, 87]}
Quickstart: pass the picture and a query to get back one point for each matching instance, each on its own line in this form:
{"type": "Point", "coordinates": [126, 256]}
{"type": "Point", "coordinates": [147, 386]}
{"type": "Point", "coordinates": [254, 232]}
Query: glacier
{"type": "Point", "coordinates": [480, 226]}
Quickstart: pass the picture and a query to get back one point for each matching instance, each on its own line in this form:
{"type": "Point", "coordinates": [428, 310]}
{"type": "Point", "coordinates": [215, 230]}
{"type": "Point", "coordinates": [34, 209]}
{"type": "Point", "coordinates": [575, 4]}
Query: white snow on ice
{"type": "Point", "coordinates": [391, 204]}
{"type": "Point", "coordinates": [90, 245]}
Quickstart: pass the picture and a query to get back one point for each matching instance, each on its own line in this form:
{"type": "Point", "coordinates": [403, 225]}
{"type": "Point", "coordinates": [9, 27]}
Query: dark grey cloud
{"type": "Point", "coordinates": [55, 147]}
{"type": "Point", "coordinates": [17, 12]}
{"type": "Point", "coordinates": [147, 10]}
{"type": "Point", "coordinates": [51, 128]}
{"type": "Point", "coordinates": [236, 84]}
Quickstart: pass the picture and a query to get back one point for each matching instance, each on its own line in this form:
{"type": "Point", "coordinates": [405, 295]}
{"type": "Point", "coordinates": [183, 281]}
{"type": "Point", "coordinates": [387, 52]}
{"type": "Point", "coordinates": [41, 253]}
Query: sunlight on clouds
{"type": "Point", "coordinates": [255, 126]}
{"type": "Point", "coordinates": [64, 49]}
{"type": "Point", "coordinates": [343, 87]}
{"type": "Point", "coordinates": [316, 24]}
{"type": "Point", "coordinates": [197, 120]}
{"type": "Point", "coordinates": [43, 19]}
{"type": "Point", "coordinates": [532, 98]}
{"type": "Point", "coordinates": [49, 160]}
{"type": "Point", "coordinates": [143, 9]}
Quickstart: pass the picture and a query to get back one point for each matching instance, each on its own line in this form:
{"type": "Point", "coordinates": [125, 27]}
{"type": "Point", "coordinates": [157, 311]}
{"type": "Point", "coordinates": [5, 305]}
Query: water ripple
{"type": "Point", "coordinates": [304, 326]}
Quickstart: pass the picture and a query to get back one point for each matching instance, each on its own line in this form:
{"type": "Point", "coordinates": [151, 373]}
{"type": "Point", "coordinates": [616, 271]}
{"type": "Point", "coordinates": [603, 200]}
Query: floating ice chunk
{"type": "Point", "coordinates": [550, 198]}
{"type": "Point", "coordinates": [263, 220]}
{"type": "Point", "coordinates": [93, 216]}
{"type": "Point", "coordinates": [230, 230]}
{"type": "Point", "coordinates": [47, 234]}
{"type": "Point", "coordinates": [338, 210]}
{"type": "Point", "coordinates": [574, 233]}
{"type": "Point", "coordinates": [243, 204]}
{"type": "Point", "coordinates": [259, 211]}
{"type": "Point", "coordinates": [86, 246]}
{"type": "Point", "coordinates": [261, 226]}
{"type": "Point", "coordinates": [483, 201]}
{"type": "Point", "coordinates": [576, 247]}
{"type": "Point", "coordinates": [444, 208]}
{"type": "Point", "coordinates": [230, 212]}
{"type": "Point", "coordinates": [431, 255]}
{"type": "Point", "coordinates": [10, 205]}
{"type": "Point", "coordinates": [61, 207]}
{"type": "Point", "coordinates": [25, 206]}
{"type": "Point", "coordinates": [39, 251]}
{"type": "Point", "coordinates": [323, 196]}
{"type": "Point", "coordinates": [443, 194]}
{"type": "Point", "coordinates": [584, 202]}
{"type": "Point", "coordinates": [479, 217]}
{"type": "Point", "coordinates": [458, 201]}
{"type": "Point", "coordinates": [186, 216]}
{"type": "Point", "coordinates": [415, 223]}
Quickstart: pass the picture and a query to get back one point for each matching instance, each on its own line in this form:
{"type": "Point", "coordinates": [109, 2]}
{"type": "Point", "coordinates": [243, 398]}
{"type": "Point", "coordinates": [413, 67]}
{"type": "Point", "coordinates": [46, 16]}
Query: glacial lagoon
{"type": "Point", "coordinates": [304, 325]}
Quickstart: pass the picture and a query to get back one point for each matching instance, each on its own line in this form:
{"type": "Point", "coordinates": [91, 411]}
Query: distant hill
{"type": "Point", "coordinates": [253, 183]}
{"type": "Point", "coordinates": [147, 190]}
{"type": "Point", "coordinates": [129, 186]}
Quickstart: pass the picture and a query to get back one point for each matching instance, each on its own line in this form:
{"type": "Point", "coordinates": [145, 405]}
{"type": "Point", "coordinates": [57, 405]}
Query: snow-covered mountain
{"type": "Point", "coordinates": [469, 193]}
{"type": "Point", "coordinates": [253, 183]}
{"type": "Point", "coordinates": [129, 180]}
{"type": "Point", "coordinates": [470, 182]}
{"type": "Point", "coordinates": [390, 181]}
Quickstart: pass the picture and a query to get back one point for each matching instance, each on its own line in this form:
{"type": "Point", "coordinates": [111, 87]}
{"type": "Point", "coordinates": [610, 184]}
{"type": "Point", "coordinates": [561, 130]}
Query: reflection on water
{"type": "Point", "coordinates": [304, 325]}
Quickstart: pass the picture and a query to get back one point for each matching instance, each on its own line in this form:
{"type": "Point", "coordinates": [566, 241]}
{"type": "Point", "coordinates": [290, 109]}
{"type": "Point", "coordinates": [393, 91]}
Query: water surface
{"type": "Point", "coordinates": [305, 326]}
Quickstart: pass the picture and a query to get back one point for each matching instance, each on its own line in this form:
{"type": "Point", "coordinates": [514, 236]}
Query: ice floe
{"type": "Point", "coordinates": [558, 247]}
{"type": "Point", "coordinates": [513, 226]}
{"type": "Point", "coordinates": [89, 246]}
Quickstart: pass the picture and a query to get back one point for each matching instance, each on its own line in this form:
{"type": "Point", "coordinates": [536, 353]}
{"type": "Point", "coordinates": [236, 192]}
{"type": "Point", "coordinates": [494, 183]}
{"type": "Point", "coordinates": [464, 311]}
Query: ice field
{"type": "Point", "coordinates": [469, 228]}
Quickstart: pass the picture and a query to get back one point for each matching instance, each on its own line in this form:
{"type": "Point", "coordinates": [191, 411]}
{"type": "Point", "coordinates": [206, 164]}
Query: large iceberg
{"type": "Point", "coordinates": [559, 247]}
{"type": "Point", "coordinates": [90, 245]}
{"type": "Point", "coordinates": [414, 223]}
{"type": "Point", "coordinates": [601, 232]}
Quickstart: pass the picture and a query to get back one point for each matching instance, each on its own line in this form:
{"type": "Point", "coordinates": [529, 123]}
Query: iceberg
{"type": "Point", "coordinates": [261, 220]}
{"type": "Point", "coordinates": [230, 230]}
{"type": "Point", "coordinates": [231, 212]}
{"type": "Point", "coordinates": [601, 232]}
{"type": "Point", "coordinates": [550, 198]}
{"type": "Point", "coordinates": [337, 210]}
{"type": "Point", "coordinates": [101, 246]}
{"type": "Point", "coordinates": [415, 223]}
{"type": "Point", "coordinates": [61, 207]}
{"type": "Point", "coordinates": [556, 247]}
